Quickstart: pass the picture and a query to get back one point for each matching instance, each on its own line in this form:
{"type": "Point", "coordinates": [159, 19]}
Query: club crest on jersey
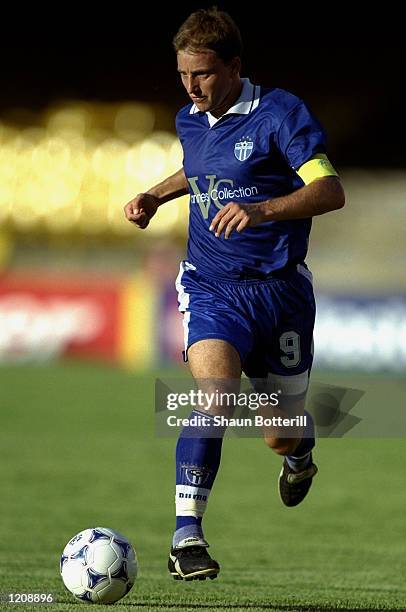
{"type": "Point", "coordinates": [243, 148]}
{"type": "Point", "coordinates": [196, 475]}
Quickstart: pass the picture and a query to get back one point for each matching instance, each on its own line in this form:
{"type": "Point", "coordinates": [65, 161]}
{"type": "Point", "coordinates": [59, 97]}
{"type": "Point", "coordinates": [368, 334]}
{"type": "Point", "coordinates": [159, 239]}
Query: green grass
{"type": "Point", "coordinates": [77, 449]}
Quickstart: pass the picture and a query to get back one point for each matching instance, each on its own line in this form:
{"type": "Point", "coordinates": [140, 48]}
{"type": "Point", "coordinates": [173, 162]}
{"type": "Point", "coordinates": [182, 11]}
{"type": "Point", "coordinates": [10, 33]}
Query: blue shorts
{"type": "Point", "coordinates": [269, 322]}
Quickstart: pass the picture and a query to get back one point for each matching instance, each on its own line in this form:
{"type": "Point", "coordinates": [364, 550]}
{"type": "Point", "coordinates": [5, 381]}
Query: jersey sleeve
{"type": "Point", "coordinates": [300, 136]}
{"type": "Point", "coordinates": [182, 121]}
{"type": "Point", "coordinates": [178, 126]}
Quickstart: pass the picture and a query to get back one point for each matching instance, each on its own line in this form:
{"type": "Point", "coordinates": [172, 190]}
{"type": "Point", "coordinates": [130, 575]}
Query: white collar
{"type": "Point", "coordinates": [246, 103]}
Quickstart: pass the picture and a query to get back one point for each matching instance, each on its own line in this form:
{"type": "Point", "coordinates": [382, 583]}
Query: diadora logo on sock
{"type": "Point", "coordinates": [194, 496]}
{"type": "Point", "coordinates": [217, 190]}
{"type": "Point", "coordinates": [196, 475]}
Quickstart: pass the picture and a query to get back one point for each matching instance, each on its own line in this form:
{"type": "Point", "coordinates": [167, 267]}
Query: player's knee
{"type": "Point", "coordinates": [218, 399]}
{"type": "Point", "coordinates": [281, 446]}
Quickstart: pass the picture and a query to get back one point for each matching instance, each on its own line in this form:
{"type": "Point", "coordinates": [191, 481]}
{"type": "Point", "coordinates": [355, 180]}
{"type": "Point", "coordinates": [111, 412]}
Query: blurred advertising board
{"type": "Point", "coordinates": [135, 322]}
{"type": "Point", "coordinates": [43, 316]}
{"type": "Point", "coordinates": [361, 332]}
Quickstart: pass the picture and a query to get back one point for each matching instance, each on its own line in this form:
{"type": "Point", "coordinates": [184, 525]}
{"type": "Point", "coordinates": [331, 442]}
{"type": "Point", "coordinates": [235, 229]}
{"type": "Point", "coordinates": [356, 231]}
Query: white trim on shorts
{"type": "Point", "coordinates": [288, 385]}
{"type": "Point", "coordinates": [184, 299]}
{"type": "Point", "coordinates": [305, 272]}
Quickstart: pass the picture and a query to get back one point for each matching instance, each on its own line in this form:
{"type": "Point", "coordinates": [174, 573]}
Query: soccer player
{"type": "Point", "coordinates": [256, 169]}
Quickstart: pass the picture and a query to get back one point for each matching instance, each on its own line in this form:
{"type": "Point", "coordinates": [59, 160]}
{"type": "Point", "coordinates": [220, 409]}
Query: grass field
{"type": "Point", "coordinates": [78, 449]}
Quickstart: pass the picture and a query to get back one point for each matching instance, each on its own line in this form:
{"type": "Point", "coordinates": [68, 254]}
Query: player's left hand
{"type": "Point", "coordinates": [237, 217]}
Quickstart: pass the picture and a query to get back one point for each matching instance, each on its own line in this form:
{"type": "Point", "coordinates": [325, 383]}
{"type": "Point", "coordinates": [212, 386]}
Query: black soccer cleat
{"type": "Point", "coordinates": [294, 486]}
{"type": "Point", "coordinates": [192, 563]}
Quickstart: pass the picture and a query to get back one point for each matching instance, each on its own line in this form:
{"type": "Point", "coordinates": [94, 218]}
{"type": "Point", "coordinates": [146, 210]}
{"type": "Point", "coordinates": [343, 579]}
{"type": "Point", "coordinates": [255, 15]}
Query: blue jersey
{"type": "Point", "coordinates": [249, 155]}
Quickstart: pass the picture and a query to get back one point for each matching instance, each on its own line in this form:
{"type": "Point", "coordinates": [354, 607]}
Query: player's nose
{"type": "Point", "coordinates": [192, 85]}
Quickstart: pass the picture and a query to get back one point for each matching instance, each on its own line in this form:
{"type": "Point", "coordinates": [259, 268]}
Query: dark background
{"type": "Point", "coordinates": [356, 87]}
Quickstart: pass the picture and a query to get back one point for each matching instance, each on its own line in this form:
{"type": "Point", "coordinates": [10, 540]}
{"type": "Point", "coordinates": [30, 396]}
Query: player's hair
{"type": "Point", "coordinates": [209, 29]}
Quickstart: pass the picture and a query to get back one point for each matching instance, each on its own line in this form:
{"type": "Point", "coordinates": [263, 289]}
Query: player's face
{"type": "Point", "coordinates": [212, 84]}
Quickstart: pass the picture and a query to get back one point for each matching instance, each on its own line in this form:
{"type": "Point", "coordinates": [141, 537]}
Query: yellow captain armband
{"type": "Point", "coordinates": [317, 167]}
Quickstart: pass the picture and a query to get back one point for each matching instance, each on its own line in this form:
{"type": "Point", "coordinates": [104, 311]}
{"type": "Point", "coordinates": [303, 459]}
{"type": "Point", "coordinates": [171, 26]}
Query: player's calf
{"type": "Point", "coordinates": [282, 446]}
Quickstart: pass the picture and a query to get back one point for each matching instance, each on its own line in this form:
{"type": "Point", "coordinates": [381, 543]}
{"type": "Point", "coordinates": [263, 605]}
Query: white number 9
{"type": "Point", "coordinates": [289, 343]}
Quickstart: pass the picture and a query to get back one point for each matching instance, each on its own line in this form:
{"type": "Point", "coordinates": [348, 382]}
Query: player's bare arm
{"type": "Point", "coordinates": [319, 197]}
{"type": "Point", "coordinates": [143, 207]}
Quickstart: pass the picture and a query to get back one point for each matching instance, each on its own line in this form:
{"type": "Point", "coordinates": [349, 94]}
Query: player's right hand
{"type": "Point", "coordinates": [141, 209]}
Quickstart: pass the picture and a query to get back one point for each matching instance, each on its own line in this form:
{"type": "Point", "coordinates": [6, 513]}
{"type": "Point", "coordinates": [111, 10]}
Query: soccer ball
{"type": "Point", "coordinates": [99, 565]}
